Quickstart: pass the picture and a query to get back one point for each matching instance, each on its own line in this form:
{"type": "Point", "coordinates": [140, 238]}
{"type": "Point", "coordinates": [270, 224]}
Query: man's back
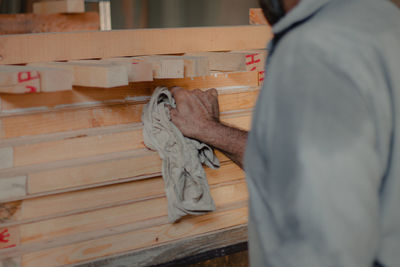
{"type": "Point", "coordinates": [324, 151]}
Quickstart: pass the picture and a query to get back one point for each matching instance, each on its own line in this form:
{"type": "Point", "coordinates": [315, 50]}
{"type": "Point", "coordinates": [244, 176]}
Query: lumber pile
{"type": "Point", "coordinates": [59, 6]}
{"type": "Point", "coordinates": [51, 16]}
{"type": "Point", "coordinates": [77, 183]}
{"type": "Point", "coordinates": [61, 22]}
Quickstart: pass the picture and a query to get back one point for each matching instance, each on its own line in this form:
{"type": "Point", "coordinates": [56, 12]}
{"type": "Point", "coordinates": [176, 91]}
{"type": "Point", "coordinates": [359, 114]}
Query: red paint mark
{"type": "Point", "coordinates": [31, 89]}
{"type": "Point", "coordinates": [253, 68]}
{"type": "Point", "coordinates": [262, 74]}
{"type": "Point", "coordinates": [135, 62]}
{"type": "Point", "coordinates": [11, 246]}
{"type": "Point", "coordinates": [24, 76]}
{"type": "Point", "coordinates": [3, 236]}
{"type": "Point", "coordinates": [252, 60]}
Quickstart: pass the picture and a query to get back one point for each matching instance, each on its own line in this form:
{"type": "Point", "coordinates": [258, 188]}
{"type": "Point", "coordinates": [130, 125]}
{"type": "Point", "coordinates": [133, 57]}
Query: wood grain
{"type": "Point", "coordinates": [69, 120]}
{"type": "Point", "coordinates": [26, 48]}
{"type": "Point", "coordinates": [257, 17]}
{"type": "Point", "coordinates": [93, 117]}
{"type": "Point", "coordinates": [130, 241]}
{"type": "Point", "coordinates": [178, 249]}
{"type": "Point", "coordinates": [12, 187]}
{"type": "Point", "coordinates": [77, 147]}
{"type": "Point", "coordinates": [59, 6]}
{"type": "Point", "coordinates": [85, 95]}
{"type": "Point", "coordinates": [101, 197]}
{"type": "Point", "coordinates": [94, 173]}
{"type": "Point", "coordinates": [34, 23]}
{"type": "Point", "coordinates": [85, 146]}
{"type": "Point", "coordinates": [6, 157]}
{"type": "Point", "coordinates": [119, 215]}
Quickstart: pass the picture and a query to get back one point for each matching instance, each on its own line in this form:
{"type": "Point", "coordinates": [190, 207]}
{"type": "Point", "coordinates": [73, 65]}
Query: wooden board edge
{"type": "Point", "coordinates": [23, 48]}
{"type": "Point", "coordinates": [168, 252]}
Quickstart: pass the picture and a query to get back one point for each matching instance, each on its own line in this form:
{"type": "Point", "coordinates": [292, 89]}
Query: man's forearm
{"type": "Point", "coordinates": [231, 141]}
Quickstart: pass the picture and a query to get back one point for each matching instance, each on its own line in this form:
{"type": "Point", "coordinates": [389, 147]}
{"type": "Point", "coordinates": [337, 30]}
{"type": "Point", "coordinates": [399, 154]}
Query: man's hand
{"type": "Point", "coordinates": [197, 116]}
{"type": "Point", "coordinates": [196, 111]}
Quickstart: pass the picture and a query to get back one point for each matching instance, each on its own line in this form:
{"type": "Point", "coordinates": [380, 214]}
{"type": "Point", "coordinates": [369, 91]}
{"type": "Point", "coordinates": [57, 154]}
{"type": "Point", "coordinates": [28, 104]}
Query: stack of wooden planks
{"type": "Point", "coordinates": [51, 16]}
{"type": "Point", "coordinates": [78, 185]}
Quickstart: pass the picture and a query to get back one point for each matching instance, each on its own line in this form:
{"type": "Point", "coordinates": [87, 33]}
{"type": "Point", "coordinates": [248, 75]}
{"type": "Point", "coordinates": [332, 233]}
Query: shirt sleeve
{"type": "Point", "coordinates": [314, 159]}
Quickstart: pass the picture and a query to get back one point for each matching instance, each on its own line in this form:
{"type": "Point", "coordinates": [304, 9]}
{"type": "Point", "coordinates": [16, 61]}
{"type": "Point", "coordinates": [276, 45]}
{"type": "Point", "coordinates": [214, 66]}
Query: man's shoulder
{"type": "Point", "coordinates": [345, 24]}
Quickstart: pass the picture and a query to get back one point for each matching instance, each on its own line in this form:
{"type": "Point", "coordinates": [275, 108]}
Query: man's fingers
{"type": "Point", "coordinates": [213, 92]}
{"type": "Point", "coordinates": [173, 113]}
{"type": "Point", "coordinates": [175, 90]}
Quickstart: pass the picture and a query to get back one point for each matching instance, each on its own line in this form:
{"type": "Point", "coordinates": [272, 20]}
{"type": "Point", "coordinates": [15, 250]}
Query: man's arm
{"type": "Point", "coordinates": [197, 116]}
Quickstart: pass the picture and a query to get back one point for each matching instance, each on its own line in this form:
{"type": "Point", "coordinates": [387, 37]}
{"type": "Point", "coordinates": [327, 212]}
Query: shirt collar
{"type": "Point", "coordinates": [302, 11]}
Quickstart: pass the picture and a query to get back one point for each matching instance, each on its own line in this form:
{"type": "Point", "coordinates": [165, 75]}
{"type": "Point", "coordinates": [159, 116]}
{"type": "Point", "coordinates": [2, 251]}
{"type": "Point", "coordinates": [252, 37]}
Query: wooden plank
{"type": "Point", "coordinates": [94, 75]}
{"type": "Point", "coordinates": [129, 241]}
{"type": "Point", "coordinates": [104, 169]}
{"type": "Point", "coordinates": [52, 80]}
{"type": "Point", "coordinates": [22, 79]}
{"type": "Point", "coordinates": [9, 237]}
{"type": "Point", "coordinates": [183, 248]}
{"type": "Point", "coordinates": [13, 187]}
{"type": "Point", "coordinates": [68, 177]}
{"type": "Point", "coordinates": [77, 147]}
{"type": "Point", "coordinates": [68, 120]}
{"type": "Point", "coordinates": [34, 23]}
{"type": "Point", "coordinates": [257, 17]}
{"type": "Point", "coordinates": [134, 91]}
{"type": "Point", "coordinates": [106, 115]}
{"type": "Point", "coordinates": [10, 211]}
{"type": "Point", "coordinates": [19, 80]}
{"type": "Point", "coordinates": [51, 206]}
{"type": "Point", "coordinates": [15, 49]}
{"type": "Point", "coordinates": [119, 215]}
{"type": "Point", "coordinates": [223, 61]}
{"type": "Point", "coordinates": [6, 157]}
{"type": "Point", "coordinates": [235, 60]}
{"type": "Point", "coordinates": [11, 262]}
{"type": "Point", "coordinates": [194, 66]}
{"type": "Point", "coordinates": [165, 67]}
{"type": "Point", "coordinates": [93, 173]}
{"type": "Point", "coordinates": [59, 6]}
{"type": "Point", "coordinates": [86, 146]}
{"type": "Point", "coordinates": [89, 74]}
{"type": "Point", "coordinates": [138, 70]}
{"type": "Point", "coordinates": [77, 97]}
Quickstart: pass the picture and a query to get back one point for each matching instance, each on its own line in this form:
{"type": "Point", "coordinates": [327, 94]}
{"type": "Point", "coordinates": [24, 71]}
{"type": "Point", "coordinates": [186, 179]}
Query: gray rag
{"type": "Point", "coordinates": [185, 181]}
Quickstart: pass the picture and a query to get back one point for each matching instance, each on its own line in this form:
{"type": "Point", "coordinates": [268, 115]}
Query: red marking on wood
{"type": "Point", "coordinates": [252, 60]}
{"type": "Point", "coordinates": [11, 246]}
{"type": "Point", "coordinates": [4, 235]}
{"type": "Point", "coordinates": [24, 76]}
{"type": "Point", "coordinates": [31, 89]}
{"type": "Point", "coordinates": [135, 62]}
{"type": "Point", "coordinates": [253, 68]}
{"type": "Point", "coordinates": [262, 74]}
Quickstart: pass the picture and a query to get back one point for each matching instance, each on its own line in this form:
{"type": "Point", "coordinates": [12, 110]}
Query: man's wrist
{"type": "Point", "coordinates": [209, 132]}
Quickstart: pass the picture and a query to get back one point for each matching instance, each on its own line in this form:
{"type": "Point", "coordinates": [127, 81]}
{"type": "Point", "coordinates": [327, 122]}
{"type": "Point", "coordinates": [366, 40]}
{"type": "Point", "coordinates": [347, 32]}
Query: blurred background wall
{"type": "Point", "coordinates": [128, 14]}
{"type": "Point", "coordinates": [179, 13]}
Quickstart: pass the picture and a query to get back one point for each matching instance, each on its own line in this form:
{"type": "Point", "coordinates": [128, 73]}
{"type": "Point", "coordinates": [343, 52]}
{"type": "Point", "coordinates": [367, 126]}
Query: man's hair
{"type": "Point", "coordinates": [273, 10]}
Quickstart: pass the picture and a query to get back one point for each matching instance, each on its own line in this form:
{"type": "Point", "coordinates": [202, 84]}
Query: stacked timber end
{"type": "Point", "coordinates": [77, 183]}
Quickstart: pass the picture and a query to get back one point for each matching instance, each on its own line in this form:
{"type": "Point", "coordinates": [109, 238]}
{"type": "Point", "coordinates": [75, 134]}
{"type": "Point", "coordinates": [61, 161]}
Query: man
{"type": "Point", "coordinates": [323, 155]}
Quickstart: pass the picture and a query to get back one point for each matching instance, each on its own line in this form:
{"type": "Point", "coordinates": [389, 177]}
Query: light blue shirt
{"type": "Point", "coordinates": [323, 155]}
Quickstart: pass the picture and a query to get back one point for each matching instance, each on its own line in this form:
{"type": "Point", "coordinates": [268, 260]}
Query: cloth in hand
{"type": "Point", "coordinates": [185, 181]}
